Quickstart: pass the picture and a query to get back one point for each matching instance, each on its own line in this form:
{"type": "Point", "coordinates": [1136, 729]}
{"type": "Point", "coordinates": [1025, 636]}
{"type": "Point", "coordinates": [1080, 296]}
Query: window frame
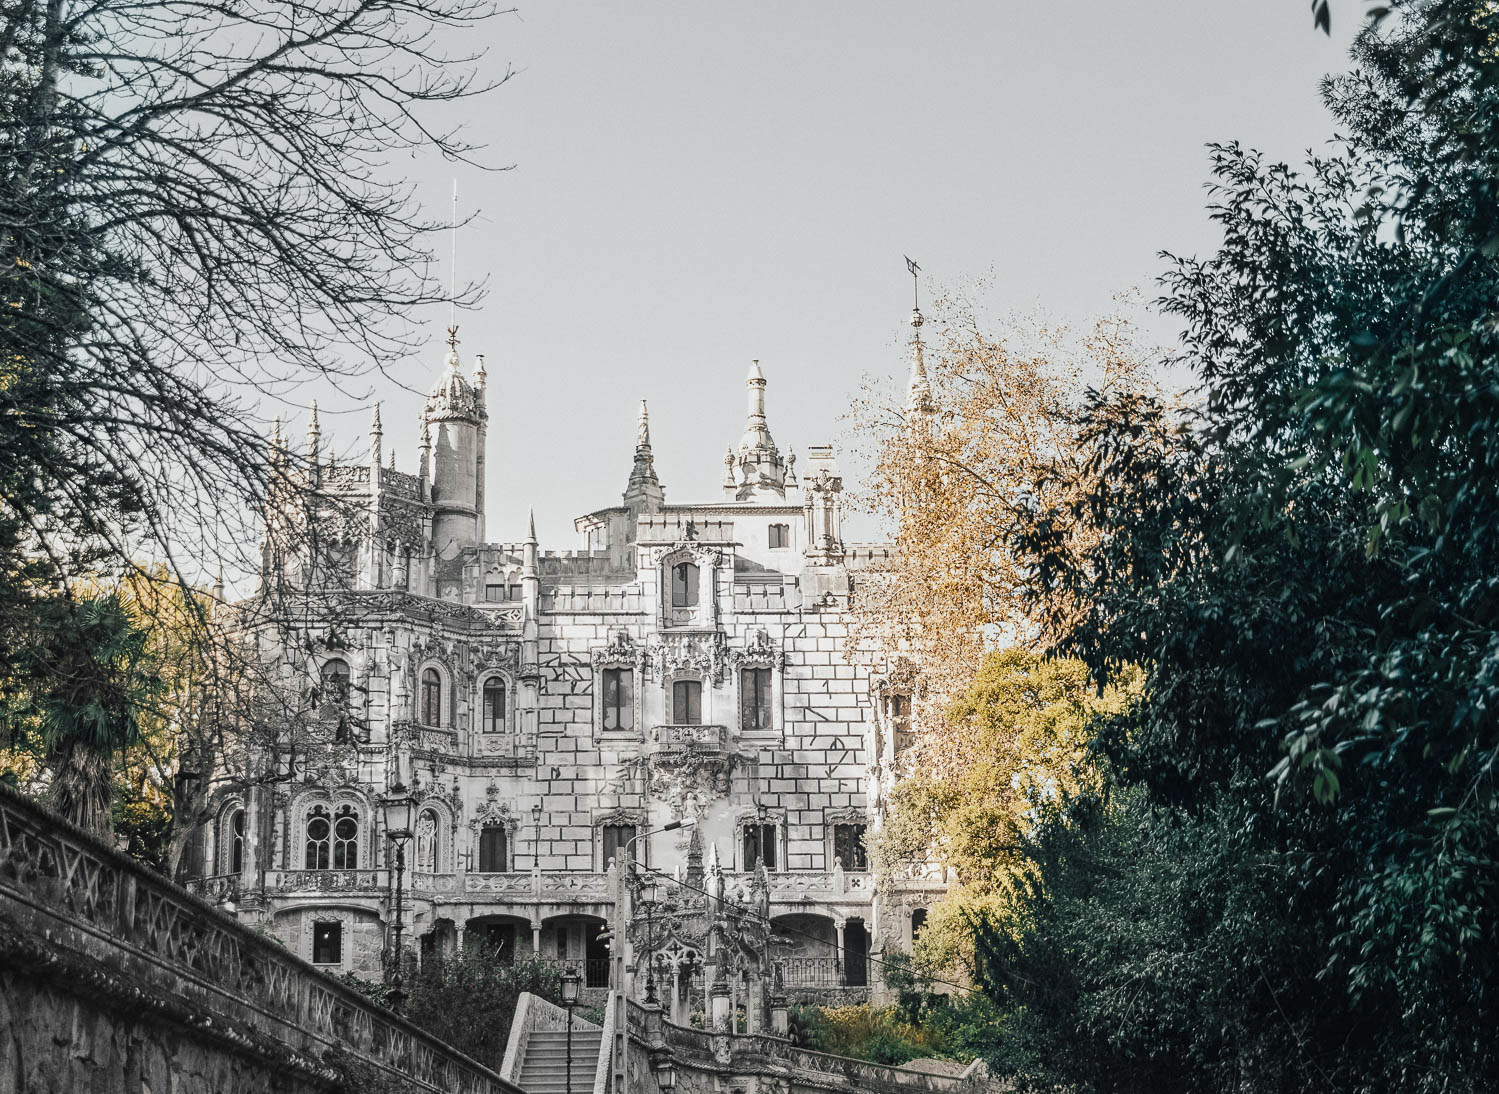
{"type": "Point", "coordinates": [767, 694]}
{"type": "Point", "coordinates": [431, 696]}
{"type": "Point", "coordinates": [767, 839]}
{"type": "Point", "coordinates": [320, 858]}
{"type": "Point", "coordinates": [860, 845]}
{"type": "Point", "coordinates": [691, 585]}
{"type": "Point", "coordinates": [687, 683]}
{"type": "Point", "coordinates": [333, 928]}
{"type": "Point", "coordinates": [781, 532]}
{"type": "Point", "coordinates": [624, 698]}
{"type": "Point", "coordinates": [503, 834]}
{"type": "Point", "coordinates": [486, 721]}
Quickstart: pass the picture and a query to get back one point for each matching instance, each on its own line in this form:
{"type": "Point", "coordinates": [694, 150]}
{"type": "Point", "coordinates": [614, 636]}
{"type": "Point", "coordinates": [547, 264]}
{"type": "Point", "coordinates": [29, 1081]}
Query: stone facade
{"type": "Point", "coordinates": [688, 663]}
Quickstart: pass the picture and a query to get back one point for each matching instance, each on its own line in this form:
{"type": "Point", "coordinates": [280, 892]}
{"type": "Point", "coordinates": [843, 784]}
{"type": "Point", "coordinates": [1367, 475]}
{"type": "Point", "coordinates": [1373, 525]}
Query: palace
{"type": "Point", "coordinates": [553, 712]}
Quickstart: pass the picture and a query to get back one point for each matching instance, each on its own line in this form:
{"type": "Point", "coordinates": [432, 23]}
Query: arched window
{"type": "Point", "coordinates": [319, 833]}
{"type": "Point", "coordinates": [346, 839]}
{"type": "Point", "coordinates": [684, 585]}
{"type": "Point", "coordinates": [494, 705]}
{"type": "Point", "coordinates": [431, 698]}
{"type": "Point", "coordinates": [234, 832]}
{"type": "Point", "coordinates": [492, 850]}
{"type": "Point", "coordinates": [426, 842]}
{"type": "Point", "coordinates": [333, 685]}
{"type": "Point", "coordinates": [918, 921]}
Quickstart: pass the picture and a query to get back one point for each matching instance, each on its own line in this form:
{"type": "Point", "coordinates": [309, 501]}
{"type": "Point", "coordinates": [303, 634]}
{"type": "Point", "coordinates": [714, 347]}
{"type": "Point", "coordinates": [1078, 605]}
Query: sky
{"type": "Point", "coordinates": [693, 186]}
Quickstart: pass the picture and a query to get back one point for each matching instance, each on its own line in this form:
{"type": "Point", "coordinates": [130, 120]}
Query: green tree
{"type": "Point", "coordinates": [1292, 881]}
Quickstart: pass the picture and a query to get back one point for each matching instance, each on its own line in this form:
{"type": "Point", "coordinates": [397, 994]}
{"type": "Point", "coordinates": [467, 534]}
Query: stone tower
{"type": "Point", "coordinates": [453, 429]}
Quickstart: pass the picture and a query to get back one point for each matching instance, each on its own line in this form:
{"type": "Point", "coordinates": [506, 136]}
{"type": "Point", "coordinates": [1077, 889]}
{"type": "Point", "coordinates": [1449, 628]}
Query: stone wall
{"type": "Point", "coordinates": [117, 982]}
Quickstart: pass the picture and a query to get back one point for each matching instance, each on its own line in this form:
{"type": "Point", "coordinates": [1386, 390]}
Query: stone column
{"type": "Point", "coordinates": [838, 925]}
{"type": "Point", "coordinates": [535, 939]}
{"type": "Point", "coordinates": [718, 995]}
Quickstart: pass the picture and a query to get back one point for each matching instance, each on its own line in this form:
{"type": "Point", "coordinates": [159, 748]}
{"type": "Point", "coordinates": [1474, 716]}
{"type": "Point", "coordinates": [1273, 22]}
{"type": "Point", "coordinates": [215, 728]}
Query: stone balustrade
{"type": "Point", "coordinates": [93, 941]}
{"type": "Point", "coordinates": [681, 738]}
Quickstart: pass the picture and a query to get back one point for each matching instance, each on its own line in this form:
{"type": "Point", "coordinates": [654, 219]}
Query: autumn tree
{"type": "Point", "coordinates": [989, 410]}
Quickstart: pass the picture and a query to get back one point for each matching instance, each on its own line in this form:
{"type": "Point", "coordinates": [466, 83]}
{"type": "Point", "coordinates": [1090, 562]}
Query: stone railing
{"type": "Point", "coordinates": [532, 1014]}
{"type": "Point", "coordinates": [365, 882]}
{"type": "Point", "coordinates": [679, 738]}
{"type": "Point", "coordinates": [216, 888]}
{"type": "Point", "coordinates": [99, 928]}
{"type": "Point", "coordinates": [790, 887]}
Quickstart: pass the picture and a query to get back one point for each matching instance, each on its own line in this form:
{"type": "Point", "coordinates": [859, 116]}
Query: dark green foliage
{"type": "Point", "coordinates": [468, 999]}
{"type": "Point", "coordinates": [1289, 879]}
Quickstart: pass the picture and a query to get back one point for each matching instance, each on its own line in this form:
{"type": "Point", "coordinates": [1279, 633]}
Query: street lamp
{"type": "Point", "coordinates": [536, 843]}
{"type": "Point", "coordinates": [666, 1076]}
{"type": "Point", "coordinates": [571, 982]}
{"type": "Point", "coordinates": [399, 808]}
{"type": "Point", "coordinates": [649, 895]}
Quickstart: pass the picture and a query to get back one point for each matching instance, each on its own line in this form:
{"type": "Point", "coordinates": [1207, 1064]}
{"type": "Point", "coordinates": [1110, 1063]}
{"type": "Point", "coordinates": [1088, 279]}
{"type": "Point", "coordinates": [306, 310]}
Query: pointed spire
{"type": "Point", "coordinates": [918, 390]}
{"type": "Point", "coordinates": [480, 376]}
{"type": "Point", "coordinates": [276, 439]}
{"type": "Point", "coordinates": [218, 583]}
{"type": "Point", "coordinates": [643, 492]}
{"type": "Point", "coordinates": [761, 470]}
{"type": "Point", "coordinates": [531, 527]}
{"type": "Point", "coordinates": [314, 436]}
{"type": "Point", "coordinates": [790, 469]}
{"type": "Point", "coordinates": [375, 429]}
{"type": "Point", "coordinates": [392, 463]}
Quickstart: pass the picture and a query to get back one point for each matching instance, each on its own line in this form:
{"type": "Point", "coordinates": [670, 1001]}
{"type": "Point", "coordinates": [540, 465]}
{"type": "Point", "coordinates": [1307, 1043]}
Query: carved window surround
{"type": "Point", "coordinates": [708, 560]}
{"type": "Point", "coordinates": [620, 653]}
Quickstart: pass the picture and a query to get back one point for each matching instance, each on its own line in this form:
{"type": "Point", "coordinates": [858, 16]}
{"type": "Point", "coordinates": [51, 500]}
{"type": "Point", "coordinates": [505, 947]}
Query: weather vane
{"type": "Point", "coordinates": [915, 284]}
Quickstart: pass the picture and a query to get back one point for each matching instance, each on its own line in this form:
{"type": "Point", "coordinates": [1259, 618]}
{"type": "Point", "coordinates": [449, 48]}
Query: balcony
{"type": "Point", "coordinates": [367, 882]}
{"type": "Point", "coordinates": [690, 738]}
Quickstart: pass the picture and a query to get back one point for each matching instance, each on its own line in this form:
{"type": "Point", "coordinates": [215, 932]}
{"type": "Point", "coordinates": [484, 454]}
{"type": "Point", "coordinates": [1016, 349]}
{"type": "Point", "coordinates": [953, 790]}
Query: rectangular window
{"type": "Point", "coordinates": [848, 846]}
{"type": "Point", "coordinates": [494, 592]}
{"type": "Point", "coordinates": [898, 708]}
{"type": "Point", "coordinates": [515, 593]}
{"type": "Point", "coordinates": [687, 703]}
{"type": "Point", "coordinates": [327, 943]}
{"type": "Point", "coordinates": [492, 851]}
{"type": "Point", "coordinates": [619, 699]}
{"type": "Point", "coordinates": [780, 536]}
{"type": "Point", "coordinates": [754, 699]}
{"type": "Point", "coordinates": [616, 837]}
{"type": "Point", "coordinates": [759, 841]}
{"type": "Point", "coordinates": [684, 585]}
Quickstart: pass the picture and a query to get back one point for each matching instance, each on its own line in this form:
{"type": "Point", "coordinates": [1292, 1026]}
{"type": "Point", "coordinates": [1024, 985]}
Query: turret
{"type": "Point", "coordinates": [453, 427]}
{"type": "Point", "coordinates": [757, 468]}
{"type": "Point", "coordinates": [643, 494]}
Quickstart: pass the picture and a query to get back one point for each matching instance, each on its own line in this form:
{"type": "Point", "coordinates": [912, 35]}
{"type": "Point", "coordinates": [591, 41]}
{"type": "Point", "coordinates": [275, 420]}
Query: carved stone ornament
{"type": "Point", "coordinates": [705, 654]}
{"type": "Point", "coordinates": [688, 551]}
{"type": "Point", "coordinates": [687, 783]}
{"type": "Point", "coordinates": [492, 812]}
{"type": "Point", "coordinates": [761, 652]}
{"type": "Point", "coordinates": [620, 651]}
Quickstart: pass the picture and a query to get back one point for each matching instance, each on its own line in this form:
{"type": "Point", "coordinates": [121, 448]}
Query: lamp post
{"type": "Point", "coordinates": [571, 981]}
{"type": "Point", "coordinates": [399, 808]}
{"type": "Point", "coordinates": [536, 842]}
{"type": "Point", "coordinates": [649, 895]}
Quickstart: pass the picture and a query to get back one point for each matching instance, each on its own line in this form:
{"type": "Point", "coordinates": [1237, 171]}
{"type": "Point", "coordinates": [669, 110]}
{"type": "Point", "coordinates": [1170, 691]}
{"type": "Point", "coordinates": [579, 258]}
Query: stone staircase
{"type": "Point", "coordinates": [545, 1066]}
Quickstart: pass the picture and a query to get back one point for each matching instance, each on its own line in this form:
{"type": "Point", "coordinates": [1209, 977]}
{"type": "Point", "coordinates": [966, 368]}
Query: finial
{"type": "Point", "coordinates": [426, 433]}
{"type": "Point", "coordinates": [375, 421]}
{"type": "Point", "coordinates": [915, 290]}
{"type": "Point", "coordinates": [531, 527]}
{"type": "Point", "coordinates": [480, 376]}
{"type": "Point", "coordinates": [453, 337]}
{"type": "Point", "coordinates": [276, 441]}
{"type": "Point", "coordinates": [755, 375]}
{"type": "Point", "coordinates": [312, 426]}
{"type": "Point", "coordinates": [643, 433]}
{"type": "Point", "coordinates": [392, 457]}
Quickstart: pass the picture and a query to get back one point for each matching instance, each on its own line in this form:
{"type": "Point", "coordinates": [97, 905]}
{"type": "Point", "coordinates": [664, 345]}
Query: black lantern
{"type": "Point", "coordinates": [571, 982]}
{"type": "Point", "coordinates": [399, 808]}
{"type": "Point", "coordinates": [666, 1076]}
